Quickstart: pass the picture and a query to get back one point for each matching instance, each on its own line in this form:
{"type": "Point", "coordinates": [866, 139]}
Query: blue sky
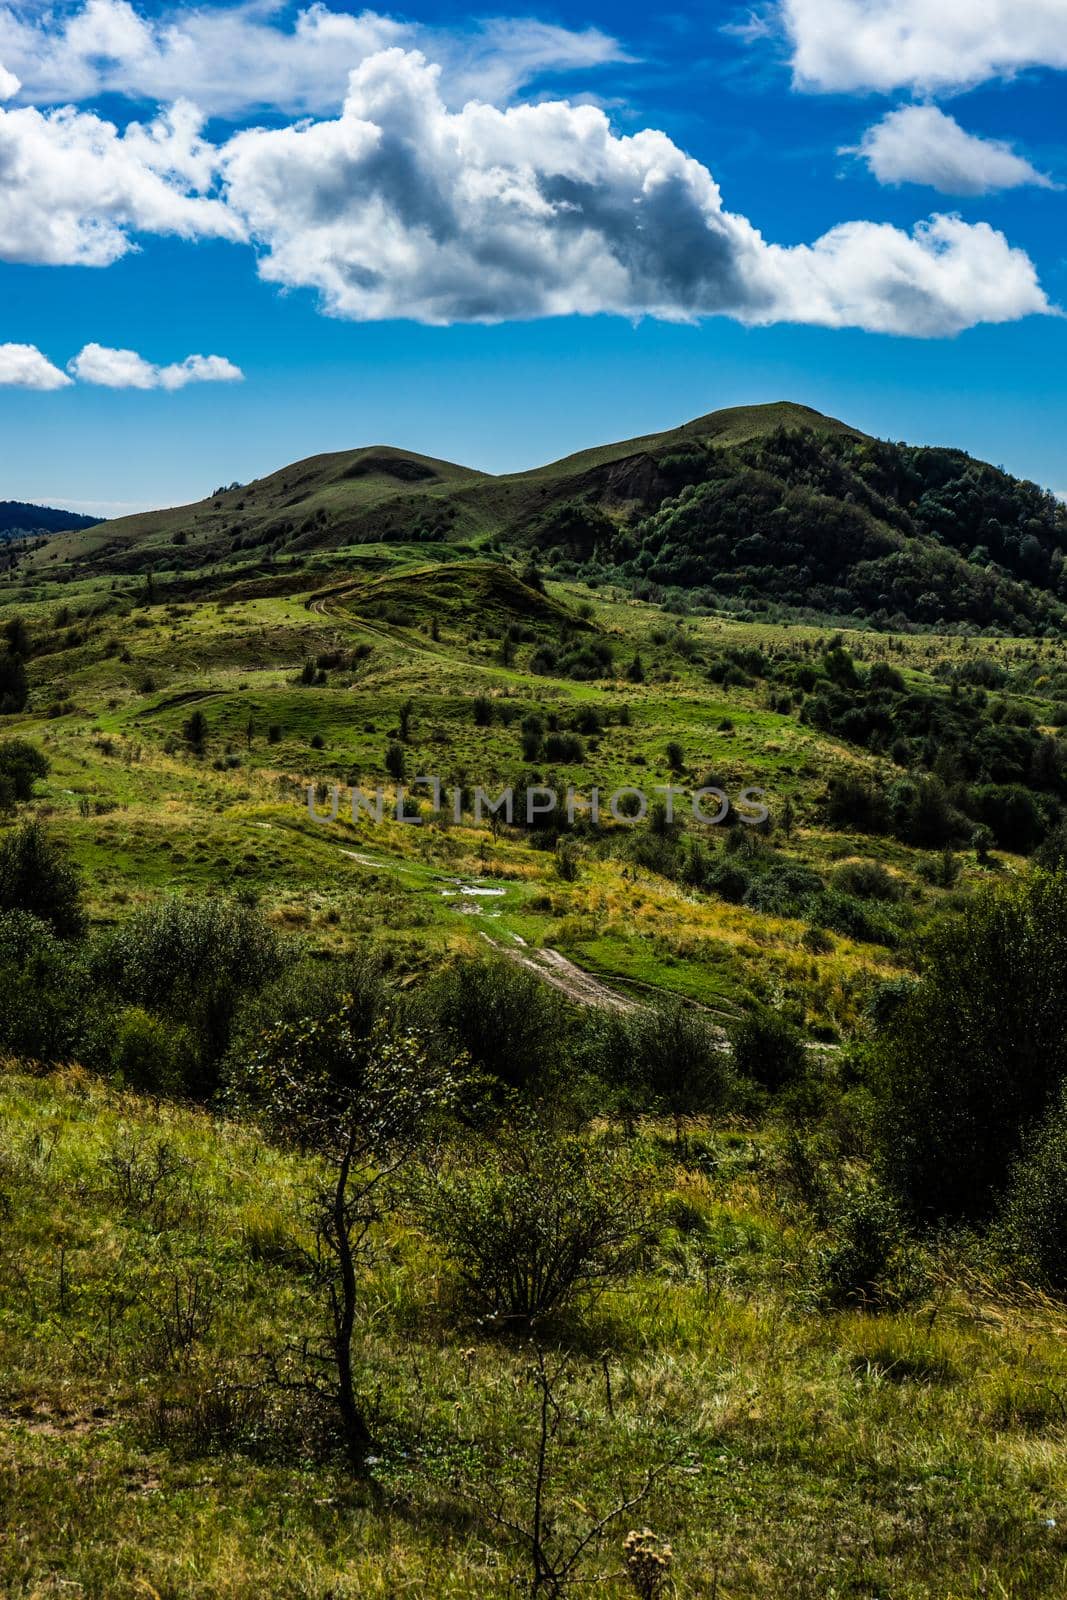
{"type": "Point", "coordinates": [506, 236]}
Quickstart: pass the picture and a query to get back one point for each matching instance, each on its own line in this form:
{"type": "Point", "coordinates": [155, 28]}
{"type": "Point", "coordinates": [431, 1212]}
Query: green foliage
{"type": "Point", "coordinates": [1032, 1225]}
{"type": "Point", "coordinates": [664, 1060]}
{"type": "Point", "coordinates": [147, 1053]}
{"type": "Point", "coordinates": [191, 962]}
{"type": "Point", "coordinates": [396, 762]}
{"type": "Point", "coordinates": [768, 1050]}
{"type": "Point", "coordinates": [973, 1056]}
{"type": "Point", "coordinates": [867, 1259]}
{"type": "Point", "coordinates": [537, 1222]}
{"type": "Point", "coordinates": [21, 764]}
{"type": "Point", "coordinates": [35, 876]}
{"type": "Point", "coordinates": [45, 988]}
{"type": "Point", "coordinates": [509, 1024]}
{"type": "Point", "coordinates": [14, 687]}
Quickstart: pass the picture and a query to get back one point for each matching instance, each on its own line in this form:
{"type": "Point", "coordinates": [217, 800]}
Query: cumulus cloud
{"type": "Point", "coordinates": [73, 189]}
{"type": "Point", "coordinates": [125, 369]}
{"type": "Point", "coordinates": [236, 59]}
{"type": "Point", "coordinates": [403, 208]}
{"type": "Point", "coordinates": [22, 366]}
{"type": "Point", "coordinates": [921, 144]}
{"type": "Point", "coordinates": [406, 206]}
{"type": "Point", "coordinates": [848, 45]}
{"type": "Point", "coordinates": [9, 84]}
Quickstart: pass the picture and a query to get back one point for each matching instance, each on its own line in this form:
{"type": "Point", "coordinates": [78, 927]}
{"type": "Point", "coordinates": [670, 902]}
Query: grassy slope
{"type": "Point", "coordinates": [344, 493]}
{"type": "Point", "coordinates": [143, 814]}
{"type": "Point", "coordinates": [918, 1455]}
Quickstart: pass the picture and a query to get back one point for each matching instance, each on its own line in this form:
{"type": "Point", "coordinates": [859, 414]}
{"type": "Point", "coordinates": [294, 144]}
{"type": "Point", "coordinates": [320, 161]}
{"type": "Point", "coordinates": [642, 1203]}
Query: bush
{"type": "Point", "coordinates": [45, 990]}
{"type": "Point", "coordinates": [1033, 1225]}
{"type": "Point", "coordinates": [21, 764]}
{"type": "Point", "coordinates": [668, 1060]}
{"type": "Point", "coordinates": [867, 880]}
{"type": "Point", "coordinates": [768, 1050]}
{"type": "Point", "coordinates": [867, 1259]}
{"type": "Point", "coordinates": [147, 1053]}
{"type": "Point", "coordinates": [511, 1026]}
{"type": "Point", "coordinates": [190, 962]}
{"type": "Point", "coordinates": [35, 876]}
{"type": "Point", "coordinates": [976, 1053]}
{"type": "Point", "coordinates": [541, 1222]}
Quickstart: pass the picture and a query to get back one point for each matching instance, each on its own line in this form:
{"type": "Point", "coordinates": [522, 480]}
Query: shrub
{"type": "Point", "coordinates": [1033, 1224]}
{"type": "Point", "coordinates": [768, 1050]}
{"type": "Point", "coordinates": [508, 1022]}
{"type": "Point", "coordinates": [147, 1053]}
{"type": "Point", "coordinates": [396, 762]}
{"type": "Point", "coordinates": [975, 1054]}
{"type": "Point", "coordinates": [668, 1060]}
{"type": "Point", "coordinates": [190, 962]}
{"type": "Point", "coordinates": [35, 876]}
{"type": "Point", "coordinates": [541, 1222]}
{"type": "Point", "coordinates": [566, 748]}
{"type": "Point", "coordinates": [45, 990]}
{"type": "Point", "coordinates": [21, 764]}
{"type": "Point", "coordinates": [867, 1259]}
{"type": "Point", "coordinates": [867, 880]}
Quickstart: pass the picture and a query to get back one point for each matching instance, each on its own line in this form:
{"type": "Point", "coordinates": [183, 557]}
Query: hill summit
{"type": "Point", "coordinates": [772, 509]}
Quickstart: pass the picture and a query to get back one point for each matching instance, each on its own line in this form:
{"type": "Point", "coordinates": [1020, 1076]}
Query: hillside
{"type": "Point", "coordinates": [16, 518]}
{"type": "Point", "coordinates": [774, 510]}
{"type": "Point", "coordinates": [679, 1040]}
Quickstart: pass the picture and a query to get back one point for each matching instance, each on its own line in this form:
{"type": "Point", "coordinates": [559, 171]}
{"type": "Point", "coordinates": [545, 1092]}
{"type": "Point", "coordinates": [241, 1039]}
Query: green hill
{"type": "Point", "coordinates": [773, 510]}
{"type": "Point", "coordinates": [18, 518]}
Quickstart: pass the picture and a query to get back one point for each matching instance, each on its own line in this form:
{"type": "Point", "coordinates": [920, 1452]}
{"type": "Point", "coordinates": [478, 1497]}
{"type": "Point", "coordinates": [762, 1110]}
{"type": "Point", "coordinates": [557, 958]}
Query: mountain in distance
{"type": "Point", "coordinates": [773, 509]}
{"type": "Point", "coordinates": [18, 519]}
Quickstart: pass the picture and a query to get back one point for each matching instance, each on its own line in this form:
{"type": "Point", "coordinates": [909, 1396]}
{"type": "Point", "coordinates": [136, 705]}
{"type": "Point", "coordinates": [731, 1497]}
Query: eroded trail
{"type": "Point", "coordinates": [553, 968]}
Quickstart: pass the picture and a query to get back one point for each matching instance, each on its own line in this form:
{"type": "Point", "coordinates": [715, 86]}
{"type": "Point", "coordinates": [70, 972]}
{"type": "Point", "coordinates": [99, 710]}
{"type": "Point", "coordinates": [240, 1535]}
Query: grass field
{"type": "Point", "coordinates": [144, 812]}
{"type": "Point", "coordinates": [916, 1454]}
{"type": "Point", "coordinates": [801, 1449]}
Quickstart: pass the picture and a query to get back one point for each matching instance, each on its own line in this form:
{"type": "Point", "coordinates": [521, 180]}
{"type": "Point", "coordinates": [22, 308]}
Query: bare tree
{"type": "Point", "coordinates": [555, 1561]}
{"type": "Point", "coordinates": [363, 1105]}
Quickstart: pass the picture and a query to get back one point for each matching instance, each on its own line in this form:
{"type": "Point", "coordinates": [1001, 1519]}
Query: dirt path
{"type": "Point", "coordinates": [553, 968]}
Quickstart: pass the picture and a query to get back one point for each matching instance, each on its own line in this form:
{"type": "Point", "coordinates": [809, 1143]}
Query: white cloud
{"type": "Point", "coordinates": [73, 189]}
{"type": "Point", "coordinates": [22, 366]}
{"type": "Point", "coordinates": [920, 144]}
{"type": "Point", "coordinates": [9, 84]}
{"type": "Point", "coordinates": [847, 45]}
{"type": "Point", "coordinates": [403, 208]}
{"type": "Point", "coordinates": [946, 275]}
{"type": "Point", "coordinates": [236, 59]}
{"type": "Point", "coordinates": [125, 369]}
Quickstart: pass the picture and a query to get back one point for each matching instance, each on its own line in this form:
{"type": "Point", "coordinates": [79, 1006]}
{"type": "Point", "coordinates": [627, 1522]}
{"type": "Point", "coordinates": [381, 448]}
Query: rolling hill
{"type": "Point", "coordinates": [773, 510]}
{"type": "Point", "coordinates": [17, 518]}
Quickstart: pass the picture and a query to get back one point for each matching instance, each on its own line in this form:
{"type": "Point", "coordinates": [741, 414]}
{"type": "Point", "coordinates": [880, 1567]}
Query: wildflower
{"type": "Point", "coordinates": [648, 1563]}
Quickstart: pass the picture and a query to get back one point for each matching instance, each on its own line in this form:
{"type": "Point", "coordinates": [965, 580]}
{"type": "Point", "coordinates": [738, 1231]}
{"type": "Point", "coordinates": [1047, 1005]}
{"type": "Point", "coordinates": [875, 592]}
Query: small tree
{"type": "Point", "coordinates": [557, 1552]}
{"type": "Point", "coordinates": [668, 1060]}
{"type": "Point", "coordinates": [540, 1221]}
{"type": "Point", "coordinates": [363, 1104]}
{"type": "Point", "coordinates": [973, 1057]}
{"type": "Point", "coordinates": [35, 876]}
{"type": "Point", "coordinates": [196, 730]}
{"type": "Point", "coordinates": [192, 961]}
{"type": "Point", "coordinates": [768, 1050]}
{"type": "Point", "coordinates": [21, 764]}
{"type": "Point", "coordinates": [396, 762]}
{"type": "Point", "coordinates": [506, 1019]}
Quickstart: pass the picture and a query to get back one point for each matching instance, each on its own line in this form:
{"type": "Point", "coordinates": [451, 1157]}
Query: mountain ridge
{"type": "Point", "coordinates": [759, 508]}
